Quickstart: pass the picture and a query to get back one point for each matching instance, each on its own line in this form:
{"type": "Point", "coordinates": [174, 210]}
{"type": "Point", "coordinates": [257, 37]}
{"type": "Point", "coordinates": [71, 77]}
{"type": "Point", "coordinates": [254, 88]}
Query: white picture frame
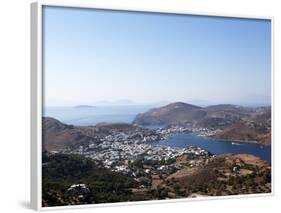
{"type": "Point", "coordinates": [37, 82]}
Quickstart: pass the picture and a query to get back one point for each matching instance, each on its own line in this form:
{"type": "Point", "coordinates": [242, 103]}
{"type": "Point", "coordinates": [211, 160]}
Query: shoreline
{"type": "Point", "coordinates": [210, 140]}
{"type": "Point", "coordinates": [222, 139]}
{"type": "Point", "coordinates": [238, 141]}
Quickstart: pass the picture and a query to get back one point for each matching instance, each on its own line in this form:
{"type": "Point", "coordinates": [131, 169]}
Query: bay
{"type": "Point", "coordinates": [218, 147]}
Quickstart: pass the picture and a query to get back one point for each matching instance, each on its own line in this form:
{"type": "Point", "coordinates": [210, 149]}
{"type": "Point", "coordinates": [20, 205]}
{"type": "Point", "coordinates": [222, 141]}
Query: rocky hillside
{"type": "Point", "coordinates": [182, 113]}
{"type": "Point", "coordinates": [255, 127]}
{"type": "Point", "coordinates": [74, 179]}
{"type": "Point", "coordinates": [234, 122]}
{"type": "Point", "coordinates": [57, 135]}
{"type": "Point", "coordinates": [223, 175]}
{"type": "Point", "coordinates": [178, 112]}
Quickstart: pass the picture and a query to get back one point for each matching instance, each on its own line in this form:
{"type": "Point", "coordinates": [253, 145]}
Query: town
{"type": "Point", "coordinates": [119, 149]}
{"type": "Point", "coordinates": [130, 158]}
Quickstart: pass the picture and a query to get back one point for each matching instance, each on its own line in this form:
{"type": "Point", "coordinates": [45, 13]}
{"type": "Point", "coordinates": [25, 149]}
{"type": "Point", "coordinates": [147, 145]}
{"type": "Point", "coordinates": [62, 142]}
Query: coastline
{"type": "Point", "coordinates": [240, 141]}
{"type": "Point", "coordinates": [221, 139]}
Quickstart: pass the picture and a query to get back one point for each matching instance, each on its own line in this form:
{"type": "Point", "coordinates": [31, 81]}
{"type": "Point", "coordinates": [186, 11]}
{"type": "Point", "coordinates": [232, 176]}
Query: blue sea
{"type": "Point", "coordinates": [84, 116]}
{"type": "Point", "coordinates": [112, 114]}
{"type": "Point", "coordinates": [218, 146]}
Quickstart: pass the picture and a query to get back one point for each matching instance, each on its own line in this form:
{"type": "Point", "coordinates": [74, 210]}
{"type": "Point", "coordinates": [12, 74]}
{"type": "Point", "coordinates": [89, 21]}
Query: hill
{"type": "Point", "coordinates": [74, 179]}
{"type": "Point", "coordinates": [182, 113]}
{"type": "Point", "coordinates": [223, 175]}
{"type": "Point", "coordinates": [57, 135]}
{"type": "Point", "coordinates": [174, 113]}
{"type": "Point", "coordinates": [255, 127]}
{"type": "Point", "coordinates": [234, 122]}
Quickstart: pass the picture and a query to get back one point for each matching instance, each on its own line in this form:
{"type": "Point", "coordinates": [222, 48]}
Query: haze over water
{"type": "Point", "coordinates": [92, 115]}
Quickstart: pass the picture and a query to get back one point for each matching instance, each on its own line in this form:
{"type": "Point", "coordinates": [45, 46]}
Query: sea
{"type": "Point", "coordinates": [218, 147]}
{"type": "Point", "coordinates": [84, 116]}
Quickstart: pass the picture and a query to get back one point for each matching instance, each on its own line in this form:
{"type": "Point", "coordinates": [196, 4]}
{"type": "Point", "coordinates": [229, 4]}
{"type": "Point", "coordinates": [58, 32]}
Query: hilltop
{"type": "Point", "coordinates": [233, 122]}
{"type": "Point", "coordinates": [57, 135]}
{"type": "Point", "coordinates": [182, 113]}
{"type": "Point", "coordinates": [178, 112]}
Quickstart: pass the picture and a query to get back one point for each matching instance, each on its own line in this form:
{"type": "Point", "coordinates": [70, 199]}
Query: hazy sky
{"type": "Point", "coordinates": [95, 55]}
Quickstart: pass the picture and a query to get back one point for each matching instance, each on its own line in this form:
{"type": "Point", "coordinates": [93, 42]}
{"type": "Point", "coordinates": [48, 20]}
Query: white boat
{"type": "Point", "coordinates": [233, 143]}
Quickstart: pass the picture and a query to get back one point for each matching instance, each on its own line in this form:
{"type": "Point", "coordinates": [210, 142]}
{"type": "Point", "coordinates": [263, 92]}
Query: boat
{"type": "Point", "coordinates": [233, 143]}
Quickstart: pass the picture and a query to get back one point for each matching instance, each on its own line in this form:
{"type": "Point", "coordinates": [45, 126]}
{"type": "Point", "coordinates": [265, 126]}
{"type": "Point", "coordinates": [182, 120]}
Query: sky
{"type": "Point", "coordinates": [97, 56]}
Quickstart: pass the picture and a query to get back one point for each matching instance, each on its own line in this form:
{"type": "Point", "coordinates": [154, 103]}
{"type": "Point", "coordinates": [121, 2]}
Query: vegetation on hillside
{"type": "Point", "coordinates": [75, 180]}
{"type": "Point", "coordinates": [60, 172]}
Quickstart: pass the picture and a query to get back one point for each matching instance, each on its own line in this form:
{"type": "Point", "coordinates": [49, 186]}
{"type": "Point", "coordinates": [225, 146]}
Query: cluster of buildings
{"type": "Point", "coordinates": [113, 153]}
{"type": "Point", "coordinates": [116, 149]}
{"type": "Point", "coordinates": [205, 132]}
{"type": "Point", "coordinates": [171, 130]}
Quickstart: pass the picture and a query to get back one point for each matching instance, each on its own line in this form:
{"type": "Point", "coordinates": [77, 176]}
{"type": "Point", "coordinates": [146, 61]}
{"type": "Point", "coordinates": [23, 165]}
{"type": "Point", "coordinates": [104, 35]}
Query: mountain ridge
{"type": "Point", "coordinates": [234, 122]}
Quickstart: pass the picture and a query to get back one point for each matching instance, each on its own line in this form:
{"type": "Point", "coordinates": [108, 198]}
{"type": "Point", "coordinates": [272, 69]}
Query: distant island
{"type": "Point", "coordinates": [85, 106]}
